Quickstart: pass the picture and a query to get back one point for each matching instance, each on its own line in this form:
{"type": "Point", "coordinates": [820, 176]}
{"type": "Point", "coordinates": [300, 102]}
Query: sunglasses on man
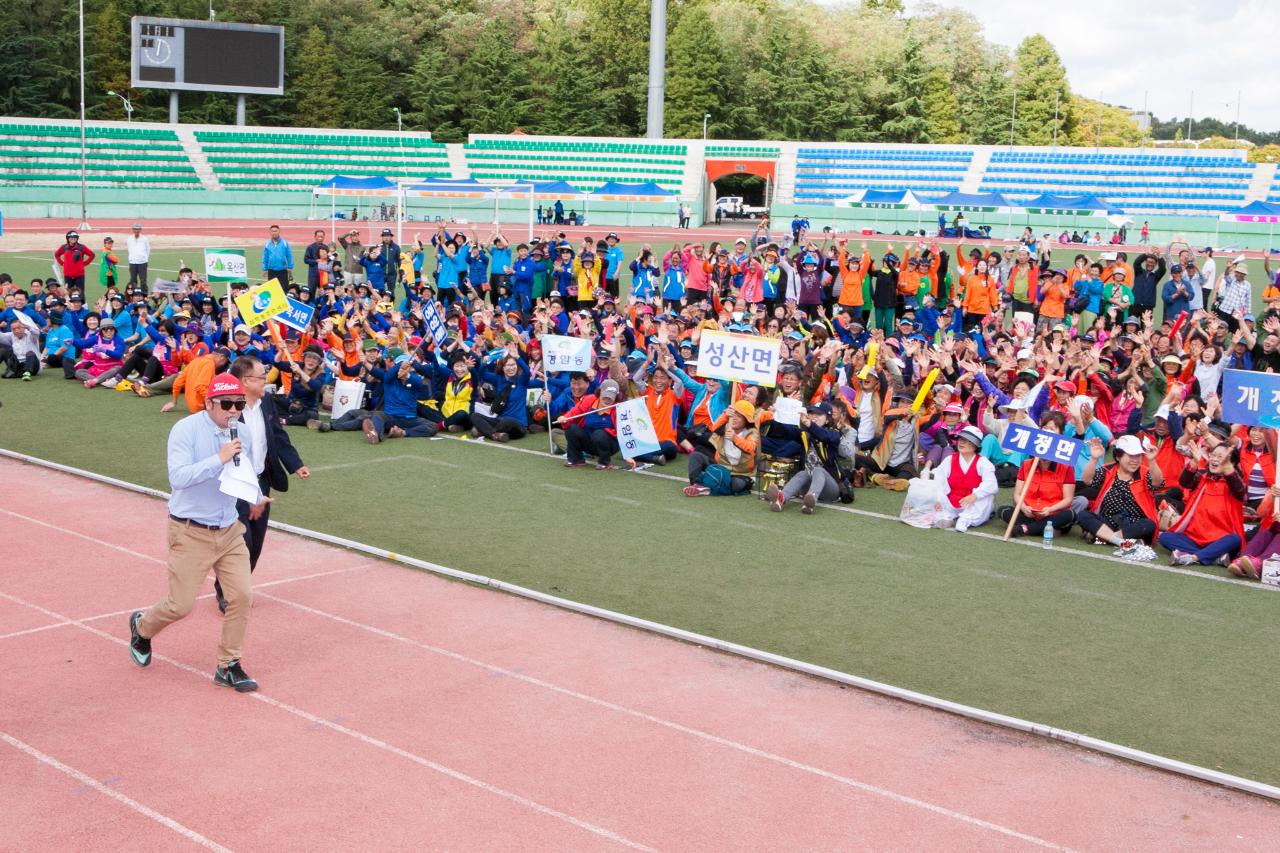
{"type": "Point", "coordinates": [228, 405]}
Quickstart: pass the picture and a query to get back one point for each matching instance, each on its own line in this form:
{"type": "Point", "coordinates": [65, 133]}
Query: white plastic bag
{"type": "Point", "coordinates": [923, 494]}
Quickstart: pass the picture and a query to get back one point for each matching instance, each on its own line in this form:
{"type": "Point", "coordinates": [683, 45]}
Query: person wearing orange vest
{"type": "Point", "coordinates": [979, 296]}
{"type": "Point", "coordinates": [1124, 512]}
{"type": "Point", "coordinates": [662, 401]}
{"type": "Point", "coordinates": [1264, 544]}
{"type": "Point", "coordinates": [1023, 283]}
{"type": "Point", "coordinates": [852, 275]}
{"type": "Point", "coordinates": [1257, 462]}
{"type": "Point", "coordinates": [193, 381]}
{"type": "Point", "coordinates": [1211, 528]}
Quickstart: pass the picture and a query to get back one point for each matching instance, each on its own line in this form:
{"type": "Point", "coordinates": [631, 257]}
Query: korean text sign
{"type": "Point", "coordinates": [1251, 398]}
{"type": "Point", "coordinates": [739, 358]}
{"type": "Point", "coordinates": [1049, 446]}
{"type": "Point", "coordinates": [636, 435]}
{"type": "Point", "coordinates": [564, 354]}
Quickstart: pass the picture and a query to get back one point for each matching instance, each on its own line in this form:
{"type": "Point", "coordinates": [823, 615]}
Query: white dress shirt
{"type": "Point", "coordinates": [256, 425]}
{"type": "Point", "coordinates": [139, 249]}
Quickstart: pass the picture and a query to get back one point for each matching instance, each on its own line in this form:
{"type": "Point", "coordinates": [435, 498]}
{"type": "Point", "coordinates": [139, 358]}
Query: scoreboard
{"type": "Point", "coordinates": [205, 56]}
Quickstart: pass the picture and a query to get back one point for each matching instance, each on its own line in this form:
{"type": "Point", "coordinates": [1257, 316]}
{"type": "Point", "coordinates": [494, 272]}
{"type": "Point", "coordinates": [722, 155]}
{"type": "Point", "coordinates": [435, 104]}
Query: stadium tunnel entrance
{"type": "Point", "coordinates": [752, 180]}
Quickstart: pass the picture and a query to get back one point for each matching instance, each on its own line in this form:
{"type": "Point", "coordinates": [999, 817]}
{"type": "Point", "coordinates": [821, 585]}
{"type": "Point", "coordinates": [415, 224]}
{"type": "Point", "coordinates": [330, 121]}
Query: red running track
{"type": "Point", "coordinates": [402, 711]}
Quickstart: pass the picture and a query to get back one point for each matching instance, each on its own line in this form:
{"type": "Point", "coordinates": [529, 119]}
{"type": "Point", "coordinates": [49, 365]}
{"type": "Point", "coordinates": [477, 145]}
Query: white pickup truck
{"type": "Point", "coordinates": [731, 207]}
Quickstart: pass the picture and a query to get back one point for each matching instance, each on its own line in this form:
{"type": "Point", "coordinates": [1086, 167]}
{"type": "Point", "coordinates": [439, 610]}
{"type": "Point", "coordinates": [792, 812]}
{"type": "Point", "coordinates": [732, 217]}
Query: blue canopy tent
{"type": "Point", "coordinates": [341, 185]}
{"type": "Point", "coordinates": [1073, 206]}
{"type": "Point", "coordinates": [648, 193]}
{"type": "Point", "coordinates": [1257, 211]}
{"type": "Point", "coordinates": [978, 203]}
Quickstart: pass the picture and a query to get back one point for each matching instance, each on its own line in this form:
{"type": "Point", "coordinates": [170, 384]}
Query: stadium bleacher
{"type": "Point", "coordinates": [44, 154]}
{"type": "Point", "coordinates": [1172, 182]}
{"type": "Point", "coordinates": [35, 153]}
{"type": "Point", "coordinates": [757, 152]}
{"type": "Point", "coordinates": [828, 174]}
{"type": "Point", "coordinates": [269, 159]}
{"type": "Point", "coordinates": [583, 164]}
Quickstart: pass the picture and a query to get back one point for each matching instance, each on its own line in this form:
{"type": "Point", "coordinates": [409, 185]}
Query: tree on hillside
{"type": "Point", "coordinates": [432, 103]}
{"type": "Point", "coordinates": [1041, 83]}
{"type": "Point", "coordinates": [107, 65]}
{"type": "Point", "coordinates": [1102, 124]}
{"type": "Point", "coordinates": [906, 120]}
{"type": "Point", "coordinates": [618, 34]}
{"type": "Point", "coordinates": [315, 100]}
{"type": "Point", "coordinates": [566, 83]}
{"type": "Point", "coordinates": [985, 117]}
{"type": "Point", "coordinates": [696, 71]}
{"type": "Point", "coordinates": [941, 109]}
{"type": "Point", "coordinates": [492, 82]}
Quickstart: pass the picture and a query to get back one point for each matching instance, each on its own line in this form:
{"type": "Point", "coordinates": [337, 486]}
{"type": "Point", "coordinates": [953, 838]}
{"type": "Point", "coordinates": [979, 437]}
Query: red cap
{"type": "Point", "coordinates": [224, 385]}
{"type": "Point", "coordinates": [1065, 385]}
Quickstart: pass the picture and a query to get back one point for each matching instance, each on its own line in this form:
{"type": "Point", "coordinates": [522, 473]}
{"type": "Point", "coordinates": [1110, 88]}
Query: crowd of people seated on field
{"type": "Point", "coordinates": [1126, 355]}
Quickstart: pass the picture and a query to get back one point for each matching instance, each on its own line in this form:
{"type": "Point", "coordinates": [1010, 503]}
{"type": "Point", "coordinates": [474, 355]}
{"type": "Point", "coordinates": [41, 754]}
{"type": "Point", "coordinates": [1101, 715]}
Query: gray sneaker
{"type": "Point", "coordinates": [139, 648]}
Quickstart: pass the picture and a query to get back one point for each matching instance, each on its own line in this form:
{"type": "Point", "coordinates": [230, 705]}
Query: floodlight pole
{"type": "Point", "coordinates": [657, 68]}
{"type": "Point", "coordinates": [84, 199]}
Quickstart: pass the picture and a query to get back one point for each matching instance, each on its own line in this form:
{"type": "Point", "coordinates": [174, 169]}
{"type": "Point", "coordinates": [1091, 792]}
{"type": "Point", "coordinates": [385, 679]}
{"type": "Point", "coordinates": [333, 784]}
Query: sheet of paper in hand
{"type": "Point", "coordinates": [239, 481]}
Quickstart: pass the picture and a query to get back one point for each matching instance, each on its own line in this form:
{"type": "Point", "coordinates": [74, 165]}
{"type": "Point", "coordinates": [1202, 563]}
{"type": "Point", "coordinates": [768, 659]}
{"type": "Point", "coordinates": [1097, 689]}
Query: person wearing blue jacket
{"type": "Point", "coordinates": [375, 268]}
{"type": "Point", "coordinates": [718, 395]}
{"type": "Point", "coordinates": [449, 263]}
{"type": "Point", "coordinates": [614, 259]}
{"type": "Point", "coordinates": [277, 258]}
{"type": "Point", "coordinates": [398, 418]}
{"type": "Point", "coordinates": [1176, 294]}
{"type": "Point", "coordinates": [477, 270]}
{"type": "Point", "coordinates": [524, 269]}
{"type": "Point", "coordinates": [509, 382]}
{"type": "Point", "coordinates": [500, 262]}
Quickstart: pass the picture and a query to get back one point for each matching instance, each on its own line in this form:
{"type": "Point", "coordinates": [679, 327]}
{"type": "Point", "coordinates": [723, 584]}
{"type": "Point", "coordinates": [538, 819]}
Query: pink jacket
{"type": "Point", "coordinates": [695, 272]}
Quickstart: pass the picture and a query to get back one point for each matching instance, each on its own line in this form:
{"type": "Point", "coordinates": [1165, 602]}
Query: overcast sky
{"type": "Point", "coordinates": [1121, 50]}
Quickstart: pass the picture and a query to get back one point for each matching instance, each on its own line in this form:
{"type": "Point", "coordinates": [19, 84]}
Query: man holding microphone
{"type": "Point", "coordinates": [204, 529]}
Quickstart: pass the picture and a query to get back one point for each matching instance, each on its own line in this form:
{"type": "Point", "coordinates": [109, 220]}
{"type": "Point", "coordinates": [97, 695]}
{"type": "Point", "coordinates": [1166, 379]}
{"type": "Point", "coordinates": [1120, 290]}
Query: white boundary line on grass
{"type": "Point", "coordinates": [1026, 543]}
{"type": "Point", "coordinates": [89, 782]}
{"type": "Point", "coordinates": [1003, 720]}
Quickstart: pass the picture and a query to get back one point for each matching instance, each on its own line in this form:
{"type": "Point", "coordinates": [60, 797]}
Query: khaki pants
{"type": "Point", "coordinates": [192, 552]}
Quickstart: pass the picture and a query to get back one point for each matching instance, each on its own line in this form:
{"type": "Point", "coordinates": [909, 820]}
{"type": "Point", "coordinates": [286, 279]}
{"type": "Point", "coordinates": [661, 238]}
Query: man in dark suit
{"type": "Point", "coordinates": [273, 459]}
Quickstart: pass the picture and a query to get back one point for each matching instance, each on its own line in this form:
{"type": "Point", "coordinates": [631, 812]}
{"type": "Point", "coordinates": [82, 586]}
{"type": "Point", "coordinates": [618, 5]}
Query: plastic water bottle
{"type": "Point", "coordinates": [1048, 535]}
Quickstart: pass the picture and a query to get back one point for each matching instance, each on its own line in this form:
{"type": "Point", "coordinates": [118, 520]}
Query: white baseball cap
{"type": "Point", "coordinates": [1129, 445]}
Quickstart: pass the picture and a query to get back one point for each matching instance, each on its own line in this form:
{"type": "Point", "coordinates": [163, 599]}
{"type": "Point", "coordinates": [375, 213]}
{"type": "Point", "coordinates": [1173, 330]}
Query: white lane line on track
{"type": "Point", "coordinates": [673, 726]}
{"type": "Point", "coordinates": [88, 781]}
{"type": "Point", "coordinates": [922, 699]}
{"type": "Point", "coordinates": [114, 613]}
{"type": "Point", "coordinates": [358, 735]}
{"type": "Point", "coordinates": [778, 759]}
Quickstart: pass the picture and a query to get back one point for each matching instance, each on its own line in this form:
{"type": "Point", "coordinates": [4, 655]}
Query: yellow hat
{"type": "Point", "coordinates": [746, 409]}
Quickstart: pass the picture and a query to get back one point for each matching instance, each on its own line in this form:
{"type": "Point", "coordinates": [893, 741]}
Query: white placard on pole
{"type": "Point", "coordinates": [739, 358]}
{"type": "Point", "coordinates": [565, 354]}
{"type": "Point", "coordinates": [636, 435]}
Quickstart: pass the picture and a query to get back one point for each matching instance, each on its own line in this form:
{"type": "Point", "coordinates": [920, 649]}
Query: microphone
{"type": "Point", "coordinates": [236, 458]}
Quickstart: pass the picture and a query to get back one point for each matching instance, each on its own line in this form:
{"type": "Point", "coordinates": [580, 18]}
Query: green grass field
{"type": "Point", "coordinates": [1173, 664]}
